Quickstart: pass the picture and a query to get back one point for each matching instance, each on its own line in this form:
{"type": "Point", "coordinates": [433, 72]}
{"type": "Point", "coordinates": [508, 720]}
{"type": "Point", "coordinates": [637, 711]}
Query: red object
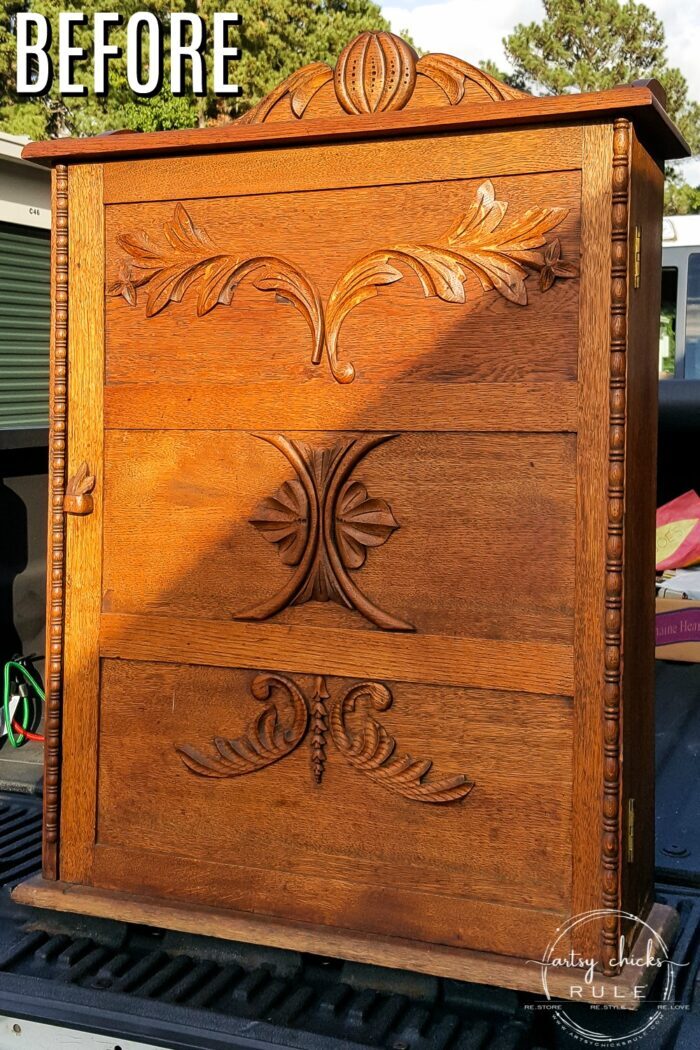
{"type": "Point", "coordinates": [678, 533]}
{"type": "Point", "coordinates": [25, 732]}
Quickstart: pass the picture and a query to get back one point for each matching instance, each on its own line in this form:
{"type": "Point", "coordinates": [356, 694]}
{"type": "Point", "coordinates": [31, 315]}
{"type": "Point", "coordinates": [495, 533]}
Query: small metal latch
{"type": "Point", "coordinates": [630, 830]}
{"type": "Point", "coordinates": [637, 256]}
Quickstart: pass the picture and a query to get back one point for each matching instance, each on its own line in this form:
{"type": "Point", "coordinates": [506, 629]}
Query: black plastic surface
{"type": "Point", "coordinates": [194, 993]}
{"type": "Point", "coordinates": [678, 773]}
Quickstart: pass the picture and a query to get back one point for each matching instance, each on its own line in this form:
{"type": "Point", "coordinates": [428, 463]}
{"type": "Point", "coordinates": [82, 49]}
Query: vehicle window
{"type": "Point", "coordinates": [667, 331]}
{"type": "Point", "coordinates": [692, 319]}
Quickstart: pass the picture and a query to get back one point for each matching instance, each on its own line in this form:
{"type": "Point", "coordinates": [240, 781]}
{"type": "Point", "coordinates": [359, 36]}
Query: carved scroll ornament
{"type": "Point", "coordinates": [362, 740]}
{"type": "Point", "coordinates": [322, 525]}
{"type": "Point", "coordinates": [499, 253]}
{"type": "Point", "coordinates": [378, 73]}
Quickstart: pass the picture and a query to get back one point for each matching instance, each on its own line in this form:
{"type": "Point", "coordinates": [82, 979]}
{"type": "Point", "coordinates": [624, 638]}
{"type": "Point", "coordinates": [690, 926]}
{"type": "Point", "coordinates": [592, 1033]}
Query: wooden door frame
{"type": "Point", "coordinates": [83, 532]}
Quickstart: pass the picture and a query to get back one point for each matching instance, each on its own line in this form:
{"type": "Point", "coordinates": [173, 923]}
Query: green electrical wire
{"type": "Point", "coordinates": [24, 721]}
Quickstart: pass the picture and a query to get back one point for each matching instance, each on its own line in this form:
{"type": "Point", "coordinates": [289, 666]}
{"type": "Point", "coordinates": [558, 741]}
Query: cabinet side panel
{"type": "Point", "coordinates": [637, 861]}
{"type": "Point", "coordinates": [591, 526]}
{"type": "Point", "coordinates": [83, 527]}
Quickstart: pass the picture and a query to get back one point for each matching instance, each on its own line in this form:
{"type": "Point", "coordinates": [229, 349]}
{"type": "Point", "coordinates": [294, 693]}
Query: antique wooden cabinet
{"type": "Point", "coordinates": [352, 510]}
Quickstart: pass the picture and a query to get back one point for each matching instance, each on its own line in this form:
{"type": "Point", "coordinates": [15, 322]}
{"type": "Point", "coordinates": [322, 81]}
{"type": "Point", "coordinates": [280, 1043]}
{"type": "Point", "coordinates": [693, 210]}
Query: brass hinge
{"type": "Point", "coordinates": [637, 256]}
{"type": "Point", "coordinates": [630, 830]}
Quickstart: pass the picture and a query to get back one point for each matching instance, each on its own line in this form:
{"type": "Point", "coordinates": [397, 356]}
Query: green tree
{"type": "Point", "coordinates": [275, 38]}
{"type": "Point", "coordinates": [681, 199]}
{"type": "Point", "coordinates": [54, 115]}
{"type": "Point", "coordinates": [590, 45]}
{"type": "Point", "coordinates": [513, 79]}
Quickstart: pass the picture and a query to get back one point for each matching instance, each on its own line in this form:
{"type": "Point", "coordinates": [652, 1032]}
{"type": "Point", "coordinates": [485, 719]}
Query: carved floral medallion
{"type": "Point", "coordinates": [499, 253]}
{"type": "Point", "coordinates": [349, 725]}
{"type": "Point", "coordinates": [322, 524]}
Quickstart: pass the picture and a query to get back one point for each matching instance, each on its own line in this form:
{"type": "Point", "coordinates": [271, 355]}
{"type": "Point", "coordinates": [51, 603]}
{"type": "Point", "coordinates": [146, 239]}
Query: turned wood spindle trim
{"type": "Point", "coordinates": [615, 544]}
{"type": "Point", "coordinates": [56, 544]}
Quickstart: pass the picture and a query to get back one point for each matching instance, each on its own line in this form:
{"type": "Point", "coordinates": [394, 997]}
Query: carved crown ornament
{"type": "Point", "coordinates": [501, 253]}
{"type": "Point", "coordinates": [378, 73]}
{"type": "Point", "coordinates": [362, 740]}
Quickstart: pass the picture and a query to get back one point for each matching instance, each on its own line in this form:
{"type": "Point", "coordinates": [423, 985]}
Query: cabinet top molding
{"type": "Point", "coordinates": [375, 90]}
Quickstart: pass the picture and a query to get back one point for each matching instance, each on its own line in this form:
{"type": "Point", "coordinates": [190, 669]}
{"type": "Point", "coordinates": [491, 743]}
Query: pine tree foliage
{"type": "Point", "coordinates": [275, 38]}
{"type": "Point", "coordinates": [591, 45]}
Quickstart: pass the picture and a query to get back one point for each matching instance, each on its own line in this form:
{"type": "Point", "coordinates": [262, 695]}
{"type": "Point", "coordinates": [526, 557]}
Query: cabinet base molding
{"type": "Point", "coordinates": [393, 952]}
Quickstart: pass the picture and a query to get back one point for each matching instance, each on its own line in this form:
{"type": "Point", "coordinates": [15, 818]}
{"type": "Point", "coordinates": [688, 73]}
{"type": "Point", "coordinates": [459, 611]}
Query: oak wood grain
{"type": "Point", "coordinates": [377, 72]}
{"type": "Point", "coordinates": [536, 407]}
{"type": "Point", "coordinates": [374, 906]}
{"type": "Point", "coordinates": [638, 103]}
{"type": "Point", "coordinates": [446, 860]}
{"type": "Point", "coordinates": [461, 964]}
{"type": "Point", "coordinates": [544, 666]}
{"type": "Point", "coordinates": [478, 516]}
{"type": "Point", "coordinates": [450, 341]}
{"type": "Point", "coordinates": [350, 165]}
{"type": "Point", "coordinates": [637, 870]}
{"type": "Point", "coordinates": [356, 460]}
{"type": "Point", "coordinates": [592, 467]}
{"type": "Point", "coordinates": [83, 534]}
{"type": "Point", "coordinates": [55, 541]}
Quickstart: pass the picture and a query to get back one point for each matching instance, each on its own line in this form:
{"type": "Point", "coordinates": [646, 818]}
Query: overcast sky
{"type": "Point", "coordinates": [474, 29]}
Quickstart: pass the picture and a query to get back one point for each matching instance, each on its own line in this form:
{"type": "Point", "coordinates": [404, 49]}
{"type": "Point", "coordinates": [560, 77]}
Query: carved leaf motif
{"type": "Point", "coordinates": [554, 266]}
{"type": "Point", "coordinates": [283, 520]}
{"type": "Point", "coordinates": [307, 84]}
{"type": "Point", "coordinates": [124, 287]}
{"type": "Point", "coordinates": [452, 75]}
{"type": "Point", "coordinates": [372, 750]}
{"type": "Point", "coordinates": [301, 87]}
{"type": "Point", "coordinates": [82, 482]}
{"type": "Point", "coordinates": [266, 740]}
{"type": "Point", "coordinates": [369, 747]}
{"type": "Point", "coordinates": [182, 233]}
{"type": "Point", "coordinates": [296, 289]}
{"type": "Point", "coordinates": [217, 284]}
{"type": "Point", "coordinates": [360, 523]}
{"type": "Point", "coordinates": [356, 285]}
{"type": "Point", "coordinates": [186, 258]}
{"type": "Point", "coordinates": [140, 248]}
{"type": "Point", "coordinates": [500, 254]}
{"type": "Point", "coordinates": [438, 272]}
{"type": "Point", "coordinates": [169, 285]}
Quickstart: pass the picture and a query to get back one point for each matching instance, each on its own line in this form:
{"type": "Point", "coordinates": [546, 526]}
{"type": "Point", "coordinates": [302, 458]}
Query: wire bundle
{"type": "Point", "coordinates": [20, 726]}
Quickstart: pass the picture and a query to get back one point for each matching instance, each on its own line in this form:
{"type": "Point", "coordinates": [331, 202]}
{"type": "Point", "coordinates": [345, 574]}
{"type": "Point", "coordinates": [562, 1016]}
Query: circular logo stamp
{"type": "Point", "coordinates": [613, 1012]}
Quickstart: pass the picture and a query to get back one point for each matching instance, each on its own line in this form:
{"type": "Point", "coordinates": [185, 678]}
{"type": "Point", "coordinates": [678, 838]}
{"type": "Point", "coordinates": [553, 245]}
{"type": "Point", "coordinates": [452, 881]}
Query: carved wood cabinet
{"type": "Point", "coordinates": [352, 510]}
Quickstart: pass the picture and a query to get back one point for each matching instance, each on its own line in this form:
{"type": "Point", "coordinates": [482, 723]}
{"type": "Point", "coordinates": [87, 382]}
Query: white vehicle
{"type": "Point", "coordinates": [679, 343]}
